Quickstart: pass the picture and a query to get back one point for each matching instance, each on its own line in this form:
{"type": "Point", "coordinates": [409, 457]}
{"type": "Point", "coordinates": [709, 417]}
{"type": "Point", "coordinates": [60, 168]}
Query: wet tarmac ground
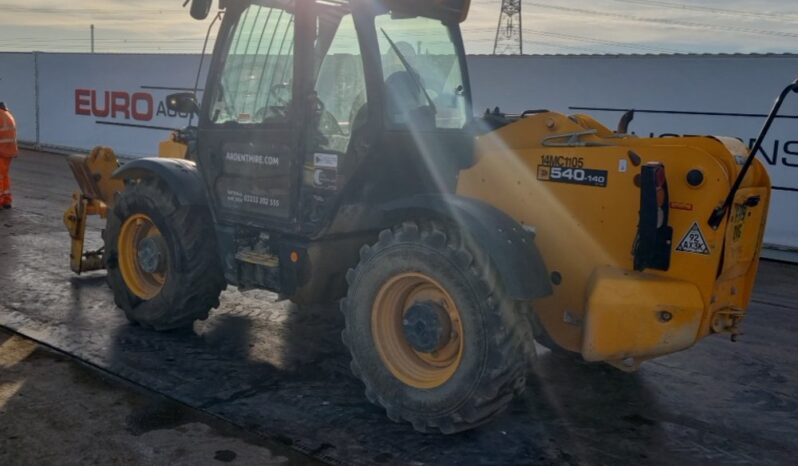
{"type": "Point", "coordinates": [282, 372]}
{"type": "Point", "coordinates": [54, 410]}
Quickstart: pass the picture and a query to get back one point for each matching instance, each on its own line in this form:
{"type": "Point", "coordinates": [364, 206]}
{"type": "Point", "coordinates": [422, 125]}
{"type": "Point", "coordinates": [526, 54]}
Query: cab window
{"type": "Point", "coordinates": [341, 86]}
{"type": "Point", "coordinates": [422, 73]}
{"type": "Point", "coordinates": [255, 83]}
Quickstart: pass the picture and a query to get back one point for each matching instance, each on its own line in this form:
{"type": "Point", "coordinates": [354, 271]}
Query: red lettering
{"type": "Point", "coordinates": [100, 112]}
{"type": "Point", "coordinates": [120, 103]}
{"type": "Point", "coordinates": [82, 102]}
{"type": "Point", "coordinates": [116, 104]}
{"type": "Point", "coordinates": [149, 105]}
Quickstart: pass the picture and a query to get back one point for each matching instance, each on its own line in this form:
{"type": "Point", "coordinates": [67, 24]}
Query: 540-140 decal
{"type": "Point", "coordinates": [581, 176]}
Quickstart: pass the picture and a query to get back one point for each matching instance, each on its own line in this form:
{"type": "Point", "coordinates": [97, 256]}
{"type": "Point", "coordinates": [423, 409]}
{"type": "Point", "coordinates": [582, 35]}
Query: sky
{"type": "Point", "coordinates": [549, 27]}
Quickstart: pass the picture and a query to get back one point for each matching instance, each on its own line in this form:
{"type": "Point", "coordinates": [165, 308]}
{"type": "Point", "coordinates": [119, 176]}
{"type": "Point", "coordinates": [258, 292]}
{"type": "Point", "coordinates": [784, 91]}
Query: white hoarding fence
{"type": "Point", "coordinates": [78, 101]}
{"type": "Point", "coordinates": [113, 100]}
{"type": "Point", "coordinates": [18, 91]}
{"type": "Point", "coordinates": [724, 95]}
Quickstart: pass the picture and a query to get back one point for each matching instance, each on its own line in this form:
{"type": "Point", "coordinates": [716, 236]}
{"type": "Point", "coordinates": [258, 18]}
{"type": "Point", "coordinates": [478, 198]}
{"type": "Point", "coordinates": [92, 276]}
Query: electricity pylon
{"type": "Point", "coordinates": [509, 32]}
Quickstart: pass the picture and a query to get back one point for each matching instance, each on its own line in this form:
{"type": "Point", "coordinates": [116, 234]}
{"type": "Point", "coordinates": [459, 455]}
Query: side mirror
{"type": "Point", "coordinates": [200, 9]}
{"type": "Point", "coordinates": [182, 102]}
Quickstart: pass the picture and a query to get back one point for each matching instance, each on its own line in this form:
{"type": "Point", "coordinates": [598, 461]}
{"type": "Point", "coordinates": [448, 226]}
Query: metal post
{"type": "Point", "coordinates": [720, 212]}
{"type": "Point", "coordinates": [36, 85]}
{"type": "Point", "coordinates": [520, 30]}
{"type": "Point", "coordinates": [92, 38]}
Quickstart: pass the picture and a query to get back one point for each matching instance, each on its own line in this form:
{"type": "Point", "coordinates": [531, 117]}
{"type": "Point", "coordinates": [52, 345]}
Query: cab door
{"type": "Point", "coordinates": [336, 138]}
{"type": "Point", "coordinates": [248, 139]}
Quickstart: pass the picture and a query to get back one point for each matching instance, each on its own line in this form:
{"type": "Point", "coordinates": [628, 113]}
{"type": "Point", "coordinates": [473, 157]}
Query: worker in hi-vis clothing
{"type": "Point", "coordinates": [8, 150]}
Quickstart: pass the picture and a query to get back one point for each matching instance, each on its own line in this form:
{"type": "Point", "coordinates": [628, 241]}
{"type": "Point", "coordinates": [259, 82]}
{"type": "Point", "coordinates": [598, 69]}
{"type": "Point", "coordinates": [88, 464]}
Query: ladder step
{"type": "Point", "coordinates": [261, 258]}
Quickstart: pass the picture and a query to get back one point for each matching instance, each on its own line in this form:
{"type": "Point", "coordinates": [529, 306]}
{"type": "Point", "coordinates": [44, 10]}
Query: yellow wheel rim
{"type": "Point", "coordinates": [146, 285]}
{"type": "Point", "coordinates": [415, 368]}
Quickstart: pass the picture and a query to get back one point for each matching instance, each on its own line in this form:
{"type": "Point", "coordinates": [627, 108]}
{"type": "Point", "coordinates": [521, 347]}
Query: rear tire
{"type": "Point", "coordinates": [449, 395]}
{"type": "Point", "coordinates": [189, 281]}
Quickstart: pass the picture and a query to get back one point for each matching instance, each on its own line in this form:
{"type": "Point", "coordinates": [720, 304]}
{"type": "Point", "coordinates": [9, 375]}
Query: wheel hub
{"type": "Point", "coordinates": [417, 330]}
{"type": "Point", "coordinates": [151, 253]}
{"type": "Point", "coordinates": [427, 327]}
{"type": "Point", "coordinates": [142, 256]}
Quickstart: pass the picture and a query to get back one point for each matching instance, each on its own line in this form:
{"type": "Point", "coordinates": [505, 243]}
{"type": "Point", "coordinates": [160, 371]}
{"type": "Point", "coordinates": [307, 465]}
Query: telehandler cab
{"type": "Point", "coordinates": [336, 158]}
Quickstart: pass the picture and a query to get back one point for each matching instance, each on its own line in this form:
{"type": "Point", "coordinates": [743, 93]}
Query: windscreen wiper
{"type": "Point", "coordinates": [413, 73]}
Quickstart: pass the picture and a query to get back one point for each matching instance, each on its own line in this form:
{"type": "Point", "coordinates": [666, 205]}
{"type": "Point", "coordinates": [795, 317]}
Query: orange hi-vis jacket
{"type": "Point", "coordinates": [8, 135]}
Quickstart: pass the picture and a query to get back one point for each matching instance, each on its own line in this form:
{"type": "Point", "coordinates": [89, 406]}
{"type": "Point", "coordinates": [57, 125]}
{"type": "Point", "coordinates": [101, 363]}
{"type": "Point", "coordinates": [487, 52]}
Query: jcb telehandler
{"type": "Point", "coordinates": [336, 158]}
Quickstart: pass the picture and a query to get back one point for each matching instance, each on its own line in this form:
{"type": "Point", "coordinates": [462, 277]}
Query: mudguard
{"type": "Point", "coordinates": [510, 247]}
{"type": "Point", "coordinates": [181, 176]}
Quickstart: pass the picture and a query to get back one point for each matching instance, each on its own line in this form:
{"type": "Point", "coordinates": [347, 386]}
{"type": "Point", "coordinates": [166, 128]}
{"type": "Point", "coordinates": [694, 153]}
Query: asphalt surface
{"type": "Point", "coordinates": [55, 410]}
{"type": "Point", "coordinates": [282, 372]}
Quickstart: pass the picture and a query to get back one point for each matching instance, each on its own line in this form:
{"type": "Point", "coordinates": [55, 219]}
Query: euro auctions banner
{"type": "Point", "coordinates": [87, 100]}
{"type": "Point", "coordinates": [723, 95]}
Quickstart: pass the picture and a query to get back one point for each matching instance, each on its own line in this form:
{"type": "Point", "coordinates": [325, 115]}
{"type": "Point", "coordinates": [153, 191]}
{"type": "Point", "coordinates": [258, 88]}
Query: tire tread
{"type": "Point", "coordinates": [506, 362]}
{"type": "Point", "coordinates": [199, 278]}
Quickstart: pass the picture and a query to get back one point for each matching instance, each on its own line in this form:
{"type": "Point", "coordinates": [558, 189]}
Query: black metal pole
{"type": "Point", "coordinates": [720, 212]}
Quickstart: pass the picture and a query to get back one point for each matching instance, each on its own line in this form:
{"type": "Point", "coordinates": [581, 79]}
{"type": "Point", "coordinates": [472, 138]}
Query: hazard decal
{"type": "Point", "coordinates": [694, 241]}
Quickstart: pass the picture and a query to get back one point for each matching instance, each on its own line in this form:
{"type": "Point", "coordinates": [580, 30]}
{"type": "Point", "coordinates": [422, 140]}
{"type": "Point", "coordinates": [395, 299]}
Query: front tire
{"type": "Point", "coordinates": [162, 259]}
{"type": "Point", "coordinates": [430, 334]}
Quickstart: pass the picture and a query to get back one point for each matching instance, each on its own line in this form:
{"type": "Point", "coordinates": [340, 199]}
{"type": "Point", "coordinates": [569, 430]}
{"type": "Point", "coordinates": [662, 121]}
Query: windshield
{"type": "Point", "coordinates": [422, 72]}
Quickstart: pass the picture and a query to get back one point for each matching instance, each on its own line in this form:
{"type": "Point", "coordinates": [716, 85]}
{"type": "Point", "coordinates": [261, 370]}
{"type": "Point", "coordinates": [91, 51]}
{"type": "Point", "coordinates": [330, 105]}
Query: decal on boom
{"type": "Point", "coordinates": [561, 169]}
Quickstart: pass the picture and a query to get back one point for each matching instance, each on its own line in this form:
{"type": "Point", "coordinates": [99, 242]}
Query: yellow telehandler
{"type": "Point", "coordinates": [336, 159]}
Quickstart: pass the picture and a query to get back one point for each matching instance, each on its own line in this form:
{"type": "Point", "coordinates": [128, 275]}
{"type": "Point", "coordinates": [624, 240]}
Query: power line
{"type": "Point", "coordinates": [472, 39]}
{"type": "Point", "coordinates": [86, 39]}
{"type": "Point", "coordinates": [478, 41]}
{"type": "Point", "coordinates": [723, 11]}
{"type": "Point", "coordinates": [667, 22]}
{"type": "Point", "coordinates": [625, 45]}
{"type": "Point", "coordinates": [84, 11]}
{"type": "Point", "coordinates": [572, 50]}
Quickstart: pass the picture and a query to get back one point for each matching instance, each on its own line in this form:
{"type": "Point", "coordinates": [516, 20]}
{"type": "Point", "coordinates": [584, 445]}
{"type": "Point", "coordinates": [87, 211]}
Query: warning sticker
{"type": "Point", "coordinates": [325, 160]}
{"type": "Point", "coordinates": [693, 241]}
